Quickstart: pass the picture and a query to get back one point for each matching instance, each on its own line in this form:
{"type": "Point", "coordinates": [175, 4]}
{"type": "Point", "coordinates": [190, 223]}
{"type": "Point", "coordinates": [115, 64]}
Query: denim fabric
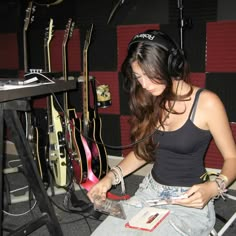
{"type": "Point", "coordinates": [182, 221]}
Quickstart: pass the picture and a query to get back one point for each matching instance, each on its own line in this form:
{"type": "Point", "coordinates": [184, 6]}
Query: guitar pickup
{"type": "Point", "coordinates": [61, 138]}
{"type": "Point", "coordinates": [51, 129]}
{"type": "Point", "coordinates": [52, 147]}
{"type": "Point", "coordinates": [62, 155]}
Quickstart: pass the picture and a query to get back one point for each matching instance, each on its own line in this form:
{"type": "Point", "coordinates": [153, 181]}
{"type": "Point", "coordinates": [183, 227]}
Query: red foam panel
{"type": "Point", "coordinates": [221, 46]}
{"type": "Point", "coordinates": [198, 79]}
{"type": "Point", "coordinates": [9, 51]}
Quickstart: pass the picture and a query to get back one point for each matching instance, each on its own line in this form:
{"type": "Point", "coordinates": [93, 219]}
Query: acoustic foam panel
{"type": "Point", "coordinates": [9, 51]}
{"type": "Point", "coordinates": [224, 84]}
{"type": "Point", "coordinates": [221, 46]}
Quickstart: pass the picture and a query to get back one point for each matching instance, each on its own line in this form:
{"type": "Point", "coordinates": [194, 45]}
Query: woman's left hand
{"type": "Point", "coordinates": [198, 195]}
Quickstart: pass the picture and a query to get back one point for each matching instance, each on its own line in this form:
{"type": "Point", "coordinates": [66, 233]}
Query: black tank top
{"type": "Point", "coordinates": [179, 158]}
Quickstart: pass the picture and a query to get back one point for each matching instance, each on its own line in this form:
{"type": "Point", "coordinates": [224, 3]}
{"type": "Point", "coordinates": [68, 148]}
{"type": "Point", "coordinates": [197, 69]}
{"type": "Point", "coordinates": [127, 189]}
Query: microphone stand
{"type": "Point", "coordinates": [181, 22]}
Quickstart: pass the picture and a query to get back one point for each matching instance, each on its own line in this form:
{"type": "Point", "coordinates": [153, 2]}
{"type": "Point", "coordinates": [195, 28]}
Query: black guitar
{"type": "Point", "coordinates": [32, 134]}
{"type": "Point", "coordinates": [96, 155]}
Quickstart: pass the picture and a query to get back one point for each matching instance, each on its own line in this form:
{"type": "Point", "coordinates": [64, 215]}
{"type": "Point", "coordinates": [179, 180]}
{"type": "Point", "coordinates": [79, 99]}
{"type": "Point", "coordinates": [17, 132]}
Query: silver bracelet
{"type": "Point", "coordinates": [221, 187]}
{"type": "Point", "coordinates": [118, 177]}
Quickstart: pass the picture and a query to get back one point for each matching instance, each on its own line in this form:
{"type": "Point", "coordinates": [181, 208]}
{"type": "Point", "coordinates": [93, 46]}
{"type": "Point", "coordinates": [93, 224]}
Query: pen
{"type": "Point", "coordinates": [151, 218]}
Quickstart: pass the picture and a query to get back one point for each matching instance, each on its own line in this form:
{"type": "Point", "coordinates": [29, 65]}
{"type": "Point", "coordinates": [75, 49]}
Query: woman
{"type": "Point", "coordinates": [172, 123]}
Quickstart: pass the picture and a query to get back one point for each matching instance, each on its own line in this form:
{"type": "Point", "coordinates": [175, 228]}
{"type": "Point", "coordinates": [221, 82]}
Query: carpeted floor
{"type": "Point", "coordinates": [74, 223]}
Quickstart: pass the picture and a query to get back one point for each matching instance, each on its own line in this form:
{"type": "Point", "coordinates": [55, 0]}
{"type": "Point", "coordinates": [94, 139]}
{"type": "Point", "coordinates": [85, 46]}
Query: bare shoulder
{"type": "Point", "coordinates": [211, 109]}
{"type": "Point", "coordinates": [210, 100]}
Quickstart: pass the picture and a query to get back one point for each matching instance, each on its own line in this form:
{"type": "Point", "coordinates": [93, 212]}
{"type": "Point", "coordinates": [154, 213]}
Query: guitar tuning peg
{"type": "Point", "coordinates": [32, 19]}
{"type": "Point", "coordinates": [33, 8]}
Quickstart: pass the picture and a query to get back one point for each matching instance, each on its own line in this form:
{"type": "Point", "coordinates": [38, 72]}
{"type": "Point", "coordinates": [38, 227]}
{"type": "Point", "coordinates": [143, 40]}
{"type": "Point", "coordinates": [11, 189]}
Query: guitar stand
{"type": "Point", "coordinates": [8, 112]}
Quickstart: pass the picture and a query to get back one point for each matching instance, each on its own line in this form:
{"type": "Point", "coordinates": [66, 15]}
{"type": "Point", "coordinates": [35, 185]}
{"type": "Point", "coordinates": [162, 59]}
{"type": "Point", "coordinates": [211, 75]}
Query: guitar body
{"type": "Point", "coordinates": [76, 152]}
{"type": "Point", "coordinates": [33, 139]}
{"type": "Point", "coordinates": [82, 162]}
{"type": "Point", "coordinates": [98, 152]}
{"type": "Point", "coordinates": [91, 177]}
{"type": "Point", "coordinates": [101, 149]}
{"type": "Point", "coordinates": [78, 158]}
{"type": "Point", "coordinates": [57, 153]}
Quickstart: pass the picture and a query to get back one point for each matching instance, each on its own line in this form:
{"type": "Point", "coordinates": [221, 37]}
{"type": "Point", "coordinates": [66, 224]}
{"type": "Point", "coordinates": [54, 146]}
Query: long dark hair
{"type": "Point", "coordinates": [147, 110]}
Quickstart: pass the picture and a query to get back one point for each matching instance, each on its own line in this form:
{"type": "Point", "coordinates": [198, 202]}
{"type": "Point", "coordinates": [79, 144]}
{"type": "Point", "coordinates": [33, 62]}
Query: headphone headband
{"type": "Point", "coordinates": [175, 58]}
{"type": "Point", "coordinates": [155, 36]}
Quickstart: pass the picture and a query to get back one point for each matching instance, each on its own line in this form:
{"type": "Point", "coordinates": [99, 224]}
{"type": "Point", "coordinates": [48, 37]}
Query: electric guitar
{"type": "Point", "coordinates": [72, 122]}
{"type": "Point", "coordinates": [91, 124]}
{"type": "Point", "coordinates": [28, 19]}
{"type": "Point", "coordinates": [93, 146]}
{"type": "Point", "coordinates": [56, 148]}
{"type": "Point", "coordinates": [31, 128]}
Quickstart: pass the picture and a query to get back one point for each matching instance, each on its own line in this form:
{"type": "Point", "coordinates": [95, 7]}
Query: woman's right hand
{"type": "Point", "coordinates": [100, 189]}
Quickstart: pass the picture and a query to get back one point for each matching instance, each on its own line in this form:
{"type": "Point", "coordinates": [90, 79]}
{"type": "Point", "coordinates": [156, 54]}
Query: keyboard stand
{"type": "Point", "coordinates": [12, 101]}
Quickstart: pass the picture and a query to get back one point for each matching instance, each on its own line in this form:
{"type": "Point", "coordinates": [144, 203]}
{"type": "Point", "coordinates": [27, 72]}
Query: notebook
{"type": "Point", "coordinates": [148, 218]}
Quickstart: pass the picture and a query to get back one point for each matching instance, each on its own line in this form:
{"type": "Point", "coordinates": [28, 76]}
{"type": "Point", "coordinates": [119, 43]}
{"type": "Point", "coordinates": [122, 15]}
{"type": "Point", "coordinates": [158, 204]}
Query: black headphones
{"type": "Point", "coordinates": [176, 57]}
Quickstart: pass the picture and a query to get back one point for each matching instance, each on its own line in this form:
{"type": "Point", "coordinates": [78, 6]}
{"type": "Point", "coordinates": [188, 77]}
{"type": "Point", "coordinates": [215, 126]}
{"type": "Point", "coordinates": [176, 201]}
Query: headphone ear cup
{"type": "Point", "coordinates": [175, 62]}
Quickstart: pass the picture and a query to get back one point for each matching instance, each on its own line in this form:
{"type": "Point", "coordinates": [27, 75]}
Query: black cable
{"type": "Point", "coordinates": [111, 146]}
{"type": "Point", "coordinates": [77, 212]}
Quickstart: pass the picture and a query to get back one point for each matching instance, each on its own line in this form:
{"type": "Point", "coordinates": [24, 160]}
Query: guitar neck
{"type": "Point", "coordinates": [85, 90]}
{"type": "Point", "coordinates": [65, 76]}
{"type": "Point", "coordinates": [45, 51]}
{"type": "Point", "coordinates": [48, 59]}
{"type": "Point", "coordinates": [48, 67]}
{"type": "Point", "coordinates": [28, 18]}
{"type": "Point", "coordinates": [25, 52]}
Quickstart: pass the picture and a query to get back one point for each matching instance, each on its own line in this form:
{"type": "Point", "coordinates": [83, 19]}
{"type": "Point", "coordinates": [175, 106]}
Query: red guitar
{"type": "Point", "coordinates": [71, 121]}
{"type": "Point", "coordinates": [86, 146]}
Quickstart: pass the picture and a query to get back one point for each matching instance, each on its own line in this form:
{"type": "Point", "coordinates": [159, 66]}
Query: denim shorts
{"type": "Point", "coordinates": [182, 221]}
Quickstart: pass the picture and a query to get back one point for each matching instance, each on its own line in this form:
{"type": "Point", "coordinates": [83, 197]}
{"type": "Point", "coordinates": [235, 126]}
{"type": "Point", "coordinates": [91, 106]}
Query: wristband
{"type": "Point", "coordinates": [221, 187]}
{"type": "Point", "coordinates": [118, 177]}
{"type": "Point", "coordinates": [225, 178]}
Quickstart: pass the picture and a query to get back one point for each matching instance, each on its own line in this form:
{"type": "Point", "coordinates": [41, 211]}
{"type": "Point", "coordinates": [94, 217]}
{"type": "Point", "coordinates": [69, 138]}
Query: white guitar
{"type": "Point", "coordinates": [56, 149]}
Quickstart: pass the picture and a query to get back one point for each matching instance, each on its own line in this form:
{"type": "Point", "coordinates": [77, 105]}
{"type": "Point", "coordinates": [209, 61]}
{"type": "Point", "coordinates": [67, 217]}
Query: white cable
{"type": "Point", "coordinates": [230, 196]}
{"type": "Point", "coordinates": [12, 161]}
{"type": "Point", "coordinates": [19, 189]}
{"type": "Point", "coordinates": [21, 214]}
{"type": "Point", "coordinates": [227, 225]}
{"type": "Point", "coordinates": [26, 124]}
